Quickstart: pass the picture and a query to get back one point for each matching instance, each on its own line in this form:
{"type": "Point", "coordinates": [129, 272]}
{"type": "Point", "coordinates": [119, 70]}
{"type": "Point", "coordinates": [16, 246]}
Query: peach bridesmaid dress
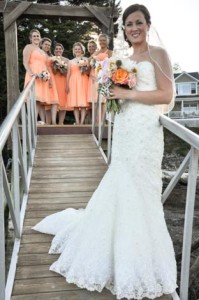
{"type": "Point", "coordinates": [60, 80]}
{"type": "Point", "coordinates": [78, 87]}
{"type": "Point", "coordinates": [38, 64]}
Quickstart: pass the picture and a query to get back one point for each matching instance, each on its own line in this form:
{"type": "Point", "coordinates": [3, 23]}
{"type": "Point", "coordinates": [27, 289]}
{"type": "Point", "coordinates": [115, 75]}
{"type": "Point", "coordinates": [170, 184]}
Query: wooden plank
{"type": "Point", "coordinates": [15, 13]}
{"type": "Point", "coordinates": [75, 194]}
{"type": "Point", "coordinates": [49, 284]}
{"type": "Point", "coordinates": [64, 180]}
{"type": "Point", "coordinates": [72, 137]}
{"type": "Point", "coordinates": [68, 295]}
{"type": "Point", "coordinates": [67, 160]}
{"type": "Point", "coordinates": [72, 174]}
{"type": "Point", "coordinates": [69, 168]}
{"type": "Point", "coordinates": [65, 154]}
{"type": "Point", "coordinates": [24, 272]}
{"type": "Point", "coordinates": [99, 15]}
{"type": "Point", "coordinates": [35, 259]}
{"type": "Point", "coordinates": [53, 206]}
{"type": "Point", "coordinates": [36, 238]}
{"type": "Point", "coordinates": [34, 248]}
{"type": "Point", "coordinates": [42, 214]}
{"type": "Point", "coordinates": [83, 187]}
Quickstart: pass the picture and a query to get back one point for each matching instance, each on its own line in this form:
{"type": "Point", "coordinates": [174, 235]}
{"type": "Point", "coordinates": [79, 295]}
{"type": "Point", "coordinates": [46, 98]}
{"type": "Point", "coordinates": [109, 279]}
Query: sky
{"type": "Point", "coordinates": [177, 24]}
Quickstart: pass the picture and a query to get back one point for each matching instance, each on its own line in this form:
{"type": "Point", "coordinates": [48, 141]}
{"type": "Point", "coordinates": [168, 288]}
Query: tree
{"type": "Point", "coordinates": [176, 68]}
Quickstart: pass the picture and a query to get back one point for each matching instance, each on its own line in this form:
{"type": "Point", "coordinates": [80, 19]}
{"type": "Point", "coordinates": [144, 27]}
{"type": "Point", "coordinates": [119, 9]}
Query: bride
{"type": "Point", "coordinates": [120, 241]}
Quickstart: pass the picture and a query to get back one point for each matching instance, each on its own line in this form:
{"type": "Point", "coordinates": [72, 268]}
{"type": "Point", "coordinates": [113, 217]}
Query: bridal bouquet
{"type": "Point", "coordinates": [59, 65]}
{"type": "Point", "coordinates": [83, 65]}
{"type": "Point", "coordinates": [112, 71]}
{"type": "Point", "coordinates": [44, 75]}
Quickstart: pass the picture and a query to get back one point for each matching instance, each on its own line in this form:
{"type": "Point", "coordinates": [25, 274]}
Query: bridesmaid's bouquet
{"type": "Point", "coordinates": [44, 75]}
{"type": "Point", "coordinates": [59, 65]}
{"type": "Point", "coordinates": [83, 65]}
{"type": "Point", "coordinates": [112, 71]}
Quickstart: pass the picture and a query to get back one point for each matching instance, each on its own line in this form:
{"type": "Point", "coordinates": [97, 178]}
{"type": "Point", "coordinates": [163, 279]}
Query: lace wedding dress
{"type": "Point", "coordinates": [120, 241]}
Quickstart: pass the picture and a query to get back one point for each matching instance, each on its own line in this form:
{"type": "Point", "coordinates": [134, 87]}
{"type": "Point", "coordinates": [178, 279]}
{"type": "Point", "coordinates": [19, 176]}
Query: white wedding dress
{"type": "Point", "coordinates": [120, 241]}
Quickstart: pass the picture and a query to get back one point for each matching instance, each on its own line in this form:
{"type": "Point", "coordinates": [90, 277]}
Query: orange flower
{"type": "Point", "coordinates": [120, 76]}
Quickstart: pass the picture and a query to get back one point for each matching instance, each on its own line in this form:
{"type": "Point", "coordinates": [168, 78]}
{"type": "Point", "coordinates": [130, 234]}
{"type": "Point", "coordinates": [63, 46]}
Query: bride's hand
{"type": "Point", "coordinates": [117, 92]}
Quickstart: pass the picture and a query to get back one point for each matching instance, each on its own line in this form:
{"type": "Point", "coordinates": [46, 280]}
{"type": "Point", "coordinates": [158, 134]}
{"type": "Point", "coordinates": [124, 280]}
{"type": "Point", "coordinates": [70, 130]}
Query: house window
{"type": "Point", "coordinates": [186, 88]}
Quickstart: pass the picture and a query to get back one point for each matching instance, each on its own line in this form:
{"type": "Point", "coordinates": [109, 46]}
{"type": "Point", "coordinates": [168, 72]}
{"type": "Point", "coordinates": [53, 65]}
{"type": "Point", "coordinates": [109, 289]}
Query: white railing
{"type": "Point", "coordinates": [18, 131]}
{"type": "Point", "coordinates": [191, 162]}
{"type": "Point", "coordinates": [99, 125]}
{"type": "Point", "coordinates": [183, 115]}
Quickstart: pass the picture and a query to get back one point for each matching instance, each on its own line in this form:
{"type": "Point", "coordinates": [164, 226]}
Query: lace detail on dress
{"type": "Point", "coordinates": [120, 241]}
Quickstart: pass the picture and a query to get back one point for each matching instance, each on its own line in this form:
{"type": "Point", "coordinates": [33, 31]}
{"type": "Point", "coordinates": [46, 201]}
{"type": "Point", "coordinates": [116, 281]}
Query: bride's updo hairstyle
{"type": "Point", "coordinates": [131, 9]}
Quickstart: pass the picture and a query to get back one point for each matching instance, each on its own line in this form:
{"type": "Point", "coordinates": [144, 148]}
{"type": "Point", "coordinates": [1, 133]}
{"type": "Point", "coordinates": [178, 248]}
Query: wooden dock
{"type": "Point", "coordinates": [67, 170]}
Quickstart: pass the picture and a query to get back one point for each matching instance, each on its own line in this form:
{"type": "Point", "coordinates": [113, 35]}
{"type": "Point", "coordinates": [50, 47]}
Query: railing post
{"type": "Point", "coordinates": [29, 131]}
{"type": "Point", "coordinates": [93, 107]}
{"type": "Point", "coordinates": [2, 234]}
{"type": "Point", "coordinates": [99, 117]}
{"type": "Point", "coordinates": [24, 137]}
{"type": "Point", "coordinates": [16, 173]}
{"type": "Point", "coordinates": [33, 116]}
{"type": "Point", "coordinates": [109, 139]}
{"type": "Point", "coordinates": [188, 224]}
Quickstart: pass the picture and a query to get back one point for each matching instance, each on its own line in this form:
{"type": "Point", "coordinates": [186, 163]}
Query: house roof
{"type": "Point", "coordinates": [194, 75]}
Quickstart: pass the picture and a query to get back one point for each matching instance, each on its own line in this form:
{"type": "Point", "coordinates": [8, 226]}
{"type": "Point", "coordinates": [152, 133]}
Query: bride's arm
{"type": "Point", "coordinates": [164, 92]}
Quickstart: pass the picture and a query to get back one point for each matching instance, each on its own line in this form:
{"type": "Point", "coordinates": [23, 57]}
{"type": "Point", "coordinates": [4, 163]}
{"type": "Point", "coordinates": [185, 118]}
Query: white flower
{"type": "Point", "coordinates": [128, 65]}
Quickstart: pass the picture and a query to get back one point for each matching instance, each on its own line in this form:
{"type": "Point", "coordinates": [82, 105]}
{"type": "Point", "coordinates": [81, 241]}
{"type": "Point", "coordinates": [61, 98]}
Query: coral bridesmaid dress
{"type": "Point", "coordinates": [60, 80]}
{"type": "Point", "coordinates": [78, 87]}
{"type": "Point", "coordinates": [38, 64]}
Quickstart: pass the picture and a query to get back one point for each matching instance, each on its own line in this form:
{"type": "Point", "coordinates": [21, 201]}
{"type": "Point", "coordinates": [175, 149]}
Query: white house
{"type": "Point", "coordinates": [187, 96]}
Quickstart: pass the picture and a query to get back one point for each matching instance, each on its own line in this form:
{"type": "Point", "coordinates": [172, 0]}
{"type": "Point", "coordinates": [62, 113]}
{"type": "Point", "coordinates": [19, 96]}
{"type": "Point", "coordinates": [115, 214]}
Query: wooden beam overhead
{"type": "Point", "coordinates": [99, 15]}
{"type": "Point", "coordinates": [12, 16]}
{"type": "Point", "coordinates": [91, 13]}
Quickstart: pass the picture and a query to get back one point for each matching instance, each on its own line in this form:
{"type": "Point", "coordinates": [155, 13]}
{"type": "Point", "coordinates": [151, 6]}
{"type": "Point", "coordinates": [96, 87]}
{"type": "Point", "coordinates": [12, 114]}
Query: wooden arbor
{"type": "Point", "coordinates": [14, 10]}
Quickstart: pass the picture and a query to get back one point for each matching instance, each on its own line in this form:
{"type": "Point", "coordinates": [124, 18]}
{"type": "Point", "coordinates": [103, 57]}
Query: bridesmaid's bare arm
{"type": "Point", "coordinates": [26, 57]}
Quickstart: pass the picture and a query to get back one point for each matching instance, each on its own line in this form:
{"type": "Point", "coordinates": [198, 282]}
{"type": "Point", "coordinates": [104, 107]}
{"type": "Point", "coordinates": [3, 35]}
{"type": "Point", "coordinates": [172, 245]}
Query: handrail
{"type": "Point", "coordinates": [182, 132]}
{"type": "Point", "coordinates": [16, 192]}
{"type": "Point", "coordinates": [8, 123]}
{"type": "Point", "coordinates": [191, 162]}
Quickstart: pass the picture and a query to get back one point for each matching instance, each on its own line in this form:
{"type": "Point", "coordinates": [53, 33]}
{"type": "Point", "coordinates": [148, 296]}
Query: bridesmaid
{"type": "Point", "coordinates": [50, 110]}
{"type": "Point", "coordinates": [101, 54]}
{"type": "Point", "coordinates": [35, 62]}
{"type": "Point", "coordinates": [92, 90]}
{"type": "Point", "coordinates": [77, 83]}
{"type": "Point", "coordinates": [60, 80]}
